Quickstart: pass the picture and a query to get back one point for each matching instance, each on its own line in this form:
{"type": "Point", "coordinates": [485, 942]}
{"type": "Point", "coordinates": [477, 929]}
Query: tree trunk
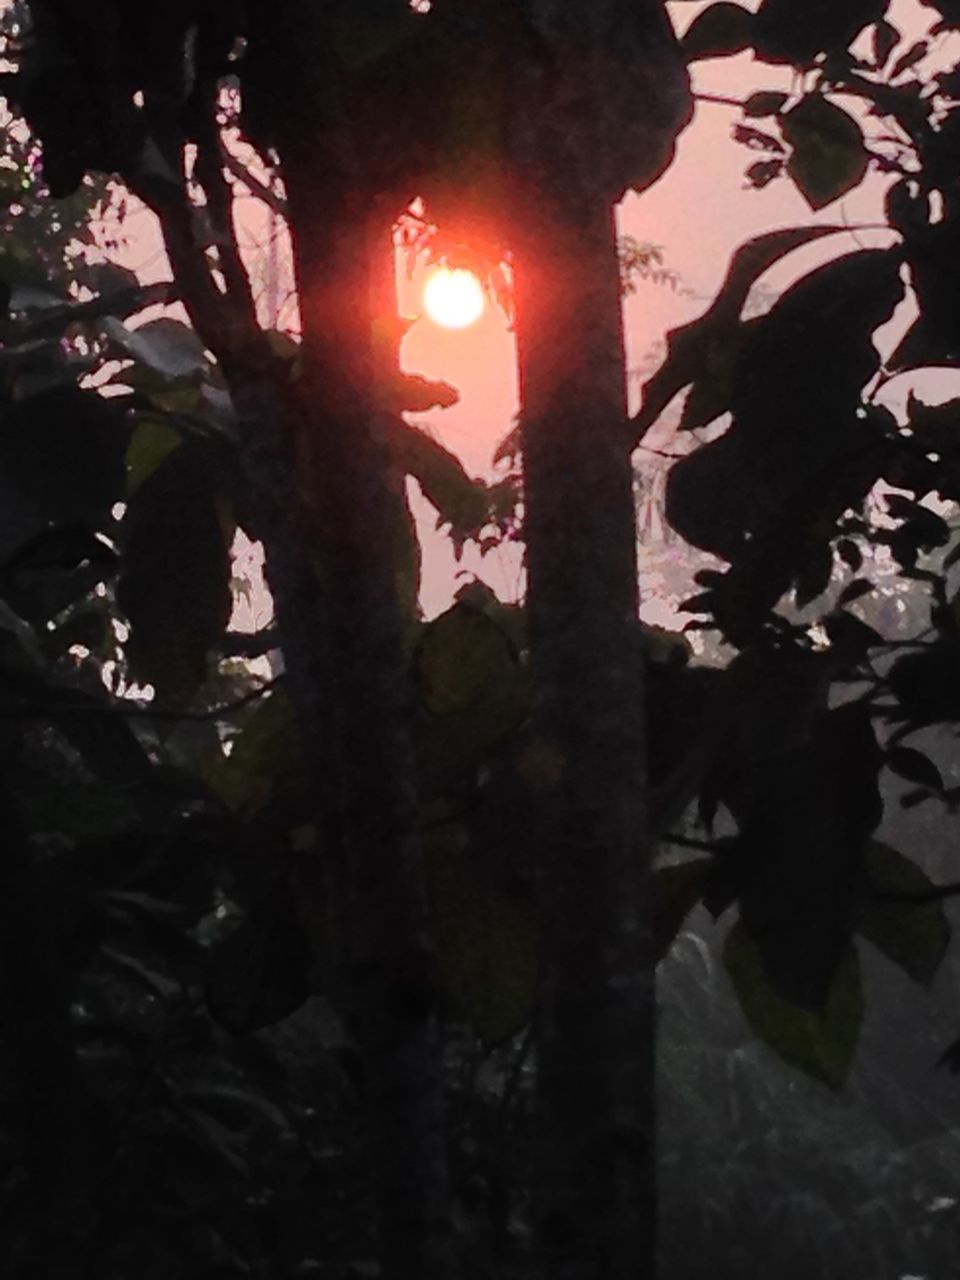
{"type": "Point", "coordinates": [341, 238]}
{"type": "Point", "coordinates": [596, 1017]}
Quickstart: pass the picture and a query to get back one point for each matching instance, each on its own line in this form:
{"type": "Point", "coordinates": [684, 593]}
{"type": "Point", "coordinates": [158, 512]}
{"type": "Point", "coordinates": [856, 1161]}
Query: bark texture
{"type": "Point", "coordinates": [599, 113]}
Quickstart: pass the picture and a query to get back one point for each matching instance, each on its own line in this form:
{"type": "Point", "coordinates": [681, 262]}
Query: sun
{"type": "Point", "coordinates": [453, 297]}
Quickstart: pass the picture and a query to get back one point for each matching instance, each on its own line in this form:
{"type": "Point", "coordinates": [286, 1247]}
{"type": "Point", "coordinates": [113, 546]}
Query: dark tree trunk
{"type": "Point", "coordinates": [599, 97]}
{"type": "Point", "coordinates": [596, 1017]}
{"type": "Point", "coordinates": [341, 239]}
{"type": "Point", "coordinates": [391, 985]}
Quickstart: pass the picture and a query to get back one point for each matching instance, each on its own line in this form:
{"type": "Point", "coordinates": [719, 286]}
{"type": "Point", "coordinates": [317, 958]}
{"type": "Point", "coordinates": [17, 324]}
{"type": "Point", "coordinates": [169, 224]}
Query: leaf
{"type": "Point", "coordinates": [165, 345]}
{"type": "Point", "coordinates": [927, 682]}
{"type": "Point", "coordinates": [157, 983]}
{"type": "Point", "coordinates": [720, 31]}
{"type": "Point", "coordinates": [796, 455]}
{"type": "Point", "coordinates": [696, 350]}
{"type": "Point", "coordinates": [855, 590]}
{"type": "Point", "coordinates": [174, 584]}
{"type": "Point", "coordinates": [171, 395]}
{"type": "Point", "coordinates": [829, 156]}
{"type": "Point", "coordinates": [473, 688]}
{"type": "Point", "coordinates": [850, 554]}
{"type": "Point", "coordinates": [914, 766]}
{"type": "Point", "coordinates": [814, 575]}
{"type": "Point", "coordinates": [886, 37]}
{"type": "Point", "coordinates": [487, 940]}
{"type": "Point", "coordinates": [756, 139]}
{"type": "Point", "coordinates": [766, 102]}
{"type": "Point", "coordinates": [678, 890]}
{"type": "Point", "coordinates": [152, 441]}
{"type": "Point", "coordinates": [764, 172]}
{"type": "Point", "coordinates": [915, 936]}
{"type": "Point", "coordinates": [821, 1046]}
{"type": "Point", "coordinates": [461, 502]}
{"type": "Point", "coordinates": [913, 55]}
{"type": "Point", "coordinates": [259, 974]}
{"type": "Point", "coordinates": [412, 393]}
{"type": "Point", "coordinates": [62, 451]}
{"type": "Point", "coordinates": [265, 756]}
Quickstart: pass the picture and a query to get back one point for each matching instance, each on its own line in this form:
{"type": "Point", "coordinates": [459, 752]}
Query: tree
{"type": "Point", "coordinates": [308, 445]}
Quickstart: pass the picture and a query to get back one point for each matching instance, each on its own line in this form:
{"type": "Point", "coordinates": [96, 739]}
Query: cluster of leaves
{"type": "Point", "coordinates": [813, 495]}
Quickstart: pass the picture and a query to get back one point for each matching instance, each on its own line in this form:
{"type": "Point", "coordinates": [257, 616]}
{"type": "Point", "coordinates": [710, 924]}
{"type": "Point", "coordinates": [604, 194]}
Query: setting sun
{"type": "Point", "coordinates": [453, 298]}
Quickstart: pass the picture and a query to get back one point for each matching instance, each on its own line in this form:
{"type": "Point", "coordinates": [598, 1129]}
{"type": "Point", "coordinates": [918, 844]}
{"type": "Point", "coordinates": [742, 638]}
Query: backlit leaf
{"type": "Point", "coordinates": [915, 936]}
{"type": "Point", "coordinates": [821, 1046]}
{"type": "Point", "coordinates": [829, 156]}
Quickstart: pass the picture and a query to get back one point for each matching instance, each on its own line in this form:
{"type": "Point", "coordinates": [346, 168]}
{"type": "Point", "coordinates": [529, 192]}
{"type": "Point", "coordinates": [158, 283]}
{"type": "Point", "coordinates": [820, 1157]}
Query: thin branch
{"type": "Point", "coordinates": [209, 169]}
{"type": "Point", "coordinates": [719, 100]}
{"type": "Point", "coordinates": [691, 842]}
{"type": "Point", "coordinates": [261, 190]}
{"type": "Point", "coordinates": [250, 644]}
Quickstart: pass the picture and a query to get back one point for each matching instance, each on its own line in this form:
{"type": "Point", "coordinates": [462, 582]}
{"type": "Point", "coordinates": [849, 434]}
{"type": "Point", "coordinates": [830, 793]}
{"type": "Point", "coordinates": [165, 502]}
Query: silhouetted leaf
{"type": "Point", "coordinates": [151, 442]}
{"type": "Point", "coordinates": [855, 590]}
{"type": "Point", "coordinates": [914, 766]}
{"type": "Point", "coordinates": [822, 1047]}
{"type": "Point", "coordinates": [474, 691]}
{"type": "Point", "coordinates": [174, 585]}
{"type": "Point", "coordinates": [851, 555]}
{"type": "Point", "coordinates": [678, 888]}
{"type": "Point", "coordinates": [719, 31]}
{"type": "Point", "coordinates": [766, 102]}
{"type": "Point", "coordinates": [886, 37]}
{"type": "Point", "coordinates": [914, 936]}
{"type": "Point", "coordinates": [165, 345]}
{"type": "Point", "coordinates": [829, 157]}
{"type": "Point", "coordinates": [927, 683]}
{"type": "Point", "coordinates": [462, 503]}
{"type": "Point", "coordinates": [913, 55]}
{"type": "Point", "coordinates": [265, 757]}
{"type": "Point", "coordinates": [259, 973]}
{"type": "Point", "coordinates": [705, 350]}
{"type": "Point", "coordinates": [764, 172]}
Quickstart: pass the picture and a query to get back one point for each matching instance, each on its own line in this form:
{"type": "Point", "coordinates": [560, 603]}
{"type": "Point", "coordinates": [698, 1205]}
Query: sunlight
{"type": "Point", "coordinates": [453, 298]}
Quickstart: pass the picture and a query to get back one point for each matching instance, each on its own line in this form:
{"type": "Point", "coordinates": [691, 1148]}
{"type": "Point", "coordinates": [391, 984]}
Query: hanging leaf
{"type": "Point", "coordinates": [462, 503]}
{"type": "Point", "coordinates": [829, 156]}
{"type": "Point", "coordinates": [821, 1046]}
{"type": "Point", "coordinates": [915, 936]}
